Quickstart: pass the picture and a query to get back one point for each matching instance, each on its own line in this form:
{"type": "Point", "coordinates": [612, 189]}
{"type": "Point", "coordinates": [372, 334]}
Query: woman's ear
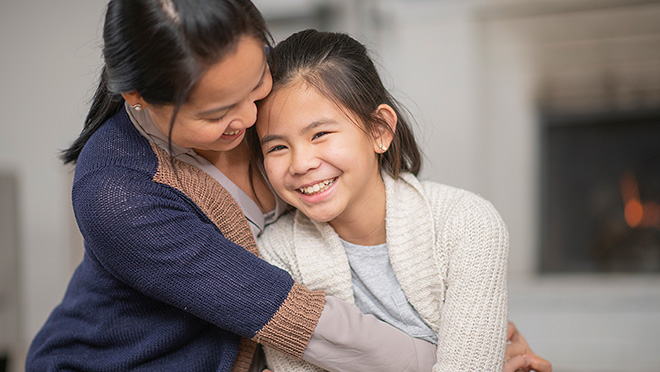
{"type": "Point", "coordinates": [383, 135]}
{"type": "Point", "coordinates": [134, 99]}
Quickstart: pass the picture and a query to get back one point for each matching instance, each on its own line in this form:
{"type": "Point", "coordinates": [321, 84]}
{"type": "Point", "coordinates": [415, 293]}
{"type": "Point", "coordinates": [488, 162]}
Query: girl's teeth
{"type": "Point", "coordinates": [232, 133]}
{"type": "Point", "coordinates": [319, 187]}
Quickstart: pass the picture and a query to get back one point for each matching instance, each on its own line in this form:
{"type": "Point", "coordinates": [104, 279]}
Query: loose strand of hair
{"type": "Point", "coordinates": [104, 105]}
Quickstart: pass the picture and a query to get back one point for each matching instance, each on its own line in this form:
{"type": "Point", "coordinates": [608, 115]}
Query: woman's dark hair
{"type": "Point", "coordinates": [339, 67]}
{"type": "Point", "coordinates": [160, 48]}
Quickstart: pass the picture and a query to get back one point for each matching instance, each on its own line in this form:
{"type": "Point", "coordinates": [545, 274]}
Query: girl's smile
{"type": "Point", "coordinates": [317, 188]}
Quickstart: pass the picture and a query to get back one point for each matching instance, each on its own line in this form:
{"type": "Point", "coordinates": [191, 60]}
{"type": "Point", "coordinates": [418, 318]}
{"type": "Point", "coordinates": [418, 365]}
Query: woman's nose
{"type": "Point", "coordinates": [247, 113]}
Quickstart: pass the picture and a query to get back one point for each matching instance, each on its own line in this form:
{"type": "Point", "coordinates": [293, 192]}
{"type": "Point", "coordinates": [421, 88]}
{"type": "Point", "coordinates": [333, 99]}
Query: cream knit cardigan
{"type": "Point", "coordinates": [449, 251]}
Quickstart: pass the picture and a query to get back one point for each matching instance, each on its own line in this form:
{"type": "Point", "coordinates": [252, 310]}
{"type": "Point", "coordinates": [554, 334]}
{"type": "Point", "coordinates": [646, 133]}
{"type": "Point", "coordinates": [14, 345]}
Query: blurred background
{"type": "Point", "coordinates": [548, 108]}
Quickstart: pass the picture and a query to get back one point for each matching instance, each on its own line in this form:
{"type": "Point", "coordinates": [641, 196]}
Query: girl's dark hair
{"type": "Point", "coordinates": [160, 48]}
{"type": "Point", "coordinates": [339, 67]}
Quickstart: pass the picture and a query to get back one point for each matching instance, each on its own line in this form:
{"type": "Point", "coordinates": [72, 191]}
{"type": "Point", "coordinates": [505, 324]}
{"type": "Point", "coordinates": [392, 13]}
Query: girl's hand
{"type": "Point", "coordinates": [520, 355]}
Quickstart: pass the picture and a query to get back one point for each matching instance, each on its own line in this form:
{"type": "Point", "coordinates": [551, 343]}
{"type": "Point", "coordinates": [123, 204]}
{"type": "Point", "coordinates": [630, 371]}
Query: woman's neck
{"type": "Point", "coordinates": [235, 165]}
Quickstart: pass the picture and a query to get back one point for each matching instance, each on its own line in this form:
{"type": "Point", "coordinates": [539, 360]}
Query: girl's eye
{"type": "Point", "coordinates": [319, 134]}
{"type": "Point", "coordinates": [276, 148]}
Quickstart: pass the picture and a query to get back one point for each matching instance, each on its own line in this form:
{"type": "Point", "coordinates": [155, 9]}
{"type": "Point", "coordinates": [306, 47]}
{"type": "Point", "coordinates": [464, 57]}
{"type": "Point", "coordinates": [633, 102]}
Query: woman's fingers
{"type": "Point", "coordinates": [516, 363]}
{"type": "Point", "coordinates": [515, 348]}
{"type": "Point", "coordinates": [511, 331]}
{"type": "Point", "coordinates": [539, 364]}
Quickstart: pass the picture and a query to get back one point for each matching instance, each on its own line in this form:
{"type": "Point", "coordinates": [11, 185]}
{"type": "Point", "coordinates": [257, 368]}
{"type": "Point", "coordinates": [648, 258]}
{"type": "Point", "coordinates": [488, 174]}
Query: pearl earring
{"type": "Point", "coordinates": [137, 107]}
{"type": "Point", "coordinates": [382, 147]}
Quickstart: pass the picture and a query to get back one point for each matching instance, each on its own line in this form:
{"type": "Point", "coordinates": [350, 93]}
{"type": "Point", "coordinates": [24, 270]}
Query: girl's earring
{"type": "Point", "coordinates": [382, 147]}
{"type": "Point", "coordinates": [137, 107]}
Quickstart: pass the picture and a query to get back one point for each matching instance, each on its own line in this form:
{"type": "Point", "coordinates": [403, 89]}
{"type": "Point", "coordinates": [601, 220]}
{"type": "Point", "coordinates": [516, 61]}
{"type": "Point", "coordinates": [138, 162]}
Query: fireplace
{"type": "Point", "coordinates": [600, 181]}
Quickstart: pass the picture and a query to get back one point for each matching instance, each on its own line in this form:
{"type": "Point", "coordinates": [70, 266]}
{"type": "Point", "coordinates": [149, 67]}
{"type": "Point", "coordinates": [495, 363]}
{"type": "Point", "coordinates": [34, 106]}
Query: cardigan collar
{"type": "Point", "coordinates": [410, 243]}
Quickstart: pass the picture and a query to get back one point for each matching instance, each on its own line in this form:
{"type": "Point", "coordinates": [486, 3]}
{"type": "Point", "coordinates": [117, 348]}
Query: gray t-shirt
{"type": "Point", "coordinates": [378, 292]}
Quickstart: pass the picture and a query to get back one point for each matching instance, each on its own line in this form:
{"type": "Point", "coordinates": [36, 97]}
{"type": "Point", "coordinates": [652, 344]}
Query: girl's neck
{"type": "Point", "coordinates": [365, 224]}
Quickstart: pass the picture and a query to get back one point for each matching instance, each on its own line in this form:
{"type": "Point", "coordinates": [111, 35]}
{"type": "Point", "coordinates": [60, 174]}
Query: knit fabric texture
{"type": "Point", "coordinates": [449, 251]}
{"type": "Point", "coordinates": [170, 279]}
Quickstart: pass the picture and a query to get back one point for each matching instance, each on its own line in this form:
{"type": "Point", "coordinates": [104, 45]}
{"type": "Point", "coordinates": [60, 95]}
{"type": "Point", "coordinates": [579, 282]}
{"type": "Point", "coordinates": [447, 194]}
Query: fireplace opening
{"type": "Point", "coordinates": [600, 204]}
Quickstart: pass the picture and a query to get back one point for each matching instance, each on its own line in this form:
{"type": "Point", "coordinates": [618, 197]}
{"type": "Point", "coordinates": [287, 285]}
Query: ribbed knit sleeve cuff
{"type": "Point", "coordinates": [292, 325]}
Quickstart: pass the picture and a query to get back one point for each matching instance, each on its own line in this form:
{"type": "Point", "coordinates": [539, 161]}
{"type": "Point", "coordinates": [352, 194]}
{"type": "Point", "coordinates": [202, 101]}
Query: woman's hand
{"type": "Point", "coordinates": [517, 363]}
{"type": "Point", "coordinates": [519, 356]}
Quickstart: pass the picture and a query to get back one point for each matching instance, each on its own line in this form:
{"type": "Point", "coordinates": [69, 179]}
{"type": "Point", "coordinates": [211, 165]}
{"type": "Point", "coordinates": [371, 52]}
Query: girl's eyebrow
{"type": "Point", "coordinates": [218, 109]}
{"type": "Point", "coordinates": [308, 128]}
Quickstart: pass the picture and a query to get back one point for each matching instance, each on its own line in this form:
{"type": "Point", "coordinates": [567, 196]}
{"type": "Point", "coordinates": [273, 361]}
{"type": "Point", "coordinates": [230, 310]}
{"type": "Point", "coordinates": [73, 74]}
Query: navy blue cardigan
{"type": "Point", "coordinates": [170, 280]}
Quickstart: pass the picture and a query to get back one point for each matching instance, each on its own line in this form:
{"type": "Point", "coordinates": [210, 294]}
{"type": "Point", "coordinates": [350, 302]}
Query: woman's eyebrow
{"type": "Point", "coordinates": [218, 109]}
{"type": "Point", "coordinates": [213, 111]}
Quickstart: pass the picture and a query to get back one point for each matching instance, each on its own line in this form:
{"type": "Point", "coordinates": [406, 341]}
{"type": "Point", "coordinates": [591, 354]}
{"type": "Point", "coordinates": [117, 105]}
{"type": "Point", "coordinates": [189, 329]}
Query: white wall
{"type": "Point", "coordinates": [50, 56]}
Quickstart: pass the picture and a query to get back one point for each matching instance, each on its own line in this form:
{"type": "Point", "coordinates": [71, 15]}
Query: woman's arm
{"type": "Point", "coordinates": [155, 239]}
{"type": "Point", "coordinates": [347, 340]}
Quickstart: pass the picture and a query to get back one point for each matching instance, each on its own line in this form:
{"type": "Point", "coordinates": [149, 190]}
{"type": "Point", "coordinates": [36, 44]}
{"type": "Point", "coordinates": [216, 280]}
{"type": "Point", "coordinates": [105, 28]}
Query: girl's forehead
{"type": "Point", "coordinates": [299, 104]}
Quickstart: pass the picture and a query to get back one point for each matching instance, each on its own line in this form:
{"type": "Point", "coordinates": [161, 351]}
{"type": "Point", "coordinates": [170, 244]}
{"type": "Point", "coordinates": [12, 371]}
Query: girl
{"type": "Point", "coordinates": [170, 280]}
{"type": "Point", "coordinates": [428, 258]}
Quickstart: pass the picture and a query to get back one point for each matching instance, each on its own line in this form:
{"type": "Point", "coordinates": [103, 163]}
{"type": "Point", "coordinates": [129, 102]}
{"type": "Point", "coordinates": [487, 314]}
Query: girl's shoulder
{"type": "Point", "coordinates": [435, 192]}
{"type": "Point", "coordinates": [452, 202]}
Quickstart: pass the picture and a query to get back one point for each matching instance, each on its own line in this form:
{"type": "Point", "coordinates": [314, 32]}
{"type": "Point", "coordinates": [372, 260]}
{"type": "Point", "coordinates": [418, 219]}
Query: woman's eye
{"type": "Point", "coordinates": [319, 134]}
{"type": "Point", "coordinates": [215, 120]}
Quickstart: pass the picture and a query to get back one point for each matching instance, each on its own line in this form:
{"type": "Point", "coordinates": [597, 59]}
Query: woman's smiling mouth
{"type": "Point", "coordinates": [232, 133]}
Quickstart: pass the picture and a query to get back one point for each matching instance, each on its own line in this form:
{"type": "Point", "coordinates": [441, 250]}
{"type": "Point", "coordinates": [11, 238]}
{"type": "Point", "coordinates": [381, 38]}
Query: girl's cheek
{"type": "Point", "coordinates": [271, 171]}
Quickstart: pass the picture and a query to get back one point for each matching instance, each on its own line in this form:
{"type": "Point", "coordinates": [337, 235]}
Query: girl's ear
{"type": "Point", "coordinates": [383, 135]}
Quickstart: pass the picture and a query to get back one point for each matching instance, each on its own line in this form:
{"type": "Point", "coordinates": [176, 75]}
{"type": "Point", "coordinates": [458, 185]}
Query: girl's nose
{"type": "Point", "coordinates": [302, 161]}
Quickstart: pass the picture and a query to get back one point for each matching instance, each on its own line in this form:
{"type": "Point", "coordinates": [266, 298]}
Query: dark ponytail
{"type": "Point", "coordinates": [103, 107]}
{"type": "Point", "coordinates": [160, 48]}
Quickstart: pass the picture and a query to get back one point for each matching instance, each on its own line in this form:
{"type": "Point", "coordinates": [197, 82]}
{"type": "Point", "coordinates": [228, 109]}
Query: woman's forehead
{"type": "Point", "coordinates": [231, 79]}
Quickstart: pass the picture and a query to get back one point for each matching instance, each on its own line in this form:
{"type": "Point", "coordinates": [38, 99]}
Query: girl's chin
{"type": "Point", "coordinates": [318, 216]}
